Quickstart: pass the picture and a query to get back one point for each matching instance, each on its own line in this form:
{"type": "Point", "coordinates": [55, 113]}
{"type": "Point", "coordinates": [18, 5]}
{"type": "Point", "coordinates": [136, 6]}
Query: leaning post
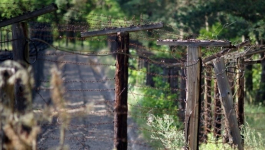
{"type": "Point", "coordinates": [227, 101]}
{"type": "Point", "coordinates": [193, 84]}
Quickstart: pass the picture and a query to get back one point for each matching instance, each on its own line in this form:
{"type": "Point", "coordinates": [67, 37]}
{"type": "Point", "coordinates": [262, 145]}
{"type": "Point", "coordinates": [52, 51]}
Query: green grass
{"type": "Point", "coordinates": [253, 131]}
{"type": "Point", "coordinates": [254, 116]}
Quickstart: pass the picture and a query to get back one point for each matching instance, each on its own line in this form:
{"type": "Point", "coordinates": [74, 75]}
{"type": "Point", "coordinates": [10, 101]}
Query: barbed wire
{"type": "Point", "coordinates": [212, 115]}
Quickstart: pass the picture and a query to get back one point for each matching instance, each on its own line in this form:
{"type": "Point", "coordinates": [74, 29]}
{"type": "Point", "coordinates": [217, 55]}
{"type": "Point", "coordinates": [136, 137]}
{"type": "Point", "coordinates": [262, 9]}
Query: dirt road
{"type": "Point", "coordinates": [91, 130]}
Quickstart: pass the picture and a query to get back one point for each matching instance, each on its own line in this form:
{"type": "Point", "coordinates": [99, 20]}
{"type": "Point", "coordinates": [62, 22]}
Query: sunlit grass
{"type": "Point", "coordinates": [254, 116]}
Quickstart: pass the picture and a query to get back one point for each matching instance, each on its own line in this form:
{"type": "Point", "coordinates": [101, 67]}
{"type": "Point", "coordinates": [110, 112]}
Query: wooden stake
{"type": "Point", "coordinates": [21, 55]}
{"type": "Point", "coordinates": [240, 91]}
{"type": "Point", "coordinates": [193, 95]}
{"type": "Point", "coordinates": [227, 101]}
{"type": "Point", "coordinates": [20, 45]}
{"type": "Point", "coordinates": [121, 92]}
{"type": "Point", "coordinates": [193, 84]}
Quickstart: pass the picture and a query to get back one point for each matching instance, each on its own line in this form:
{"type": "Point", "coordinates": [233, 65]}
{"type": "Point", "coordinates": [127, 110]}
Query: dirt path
{"type": "Point", "coordinates": [92, 131]}
{"type": "Point", "coordinates": [85, 131]}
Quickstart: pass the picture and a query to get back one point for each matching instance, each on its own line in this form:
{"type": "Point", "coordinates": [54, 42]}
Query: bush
{"type": "Point", "coordinates": [166, 131]}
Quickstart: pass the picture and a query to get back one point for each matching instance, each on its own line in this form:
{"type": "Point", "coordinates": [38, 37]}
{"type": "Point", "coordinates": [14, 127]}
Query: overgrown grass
{"type": "Point", "coordinates": [154, 110]}
{"type": "Point", "coordinates": [165, 130]}
{"type": "Point", "coordinates": [254, 117]}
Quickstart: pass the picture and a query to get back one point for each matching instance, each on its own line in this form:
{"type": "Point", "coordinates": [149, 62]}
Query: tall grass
{"type": "Point", "coordinates": [59, 103]}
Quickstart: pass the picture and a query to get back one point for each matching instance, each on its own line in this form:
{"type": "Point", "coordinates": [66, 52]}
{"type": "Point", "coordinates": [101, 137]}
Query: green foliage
{"type": "Point", "coordinates": [166, 131]}
{"type": "Point", "coordinates": [215, 145]}
{"type": "Point", "coordinates": [158, 110]}
{"type": "Point", "coordinates": [160, 100]}
{"type": "Point", "coordinates": [216, 31]}
{"type": "Point", "coordinates": [13, 8]}
{"type": "Point", "coordinates": [254, 116]}
{"type": "Point", "coordinates": [253, 139]}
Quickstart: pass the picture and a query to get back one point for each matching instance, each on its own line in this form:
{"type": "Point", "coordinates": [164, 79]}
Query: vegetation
{"type": "Point", "coordinates": [202, 19]}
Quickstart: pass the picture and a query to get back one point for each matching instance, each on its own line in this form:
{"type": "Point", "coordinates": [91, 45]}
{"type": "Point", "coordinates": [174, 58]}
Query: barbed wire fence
{"type": "Point", "coordinates": [157, 74]}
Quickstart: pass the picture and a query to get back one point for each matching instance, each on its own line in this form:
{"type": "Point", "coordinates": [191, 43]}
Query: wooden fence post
{"type": "Point", "coordinates": [193, 84]}
{"type": "Point", "coordinates": [20, 45]}
{"type": "Point", "coordinates": [240, 91]}
{"type": "Point", "coordinates": [227, 101]}
{"type": "Point", "coordinates": [121, 78]}
{"type": "Point", "coordinates": [21, 55]}
{"type": "Point", "coordinates": [121, 91]}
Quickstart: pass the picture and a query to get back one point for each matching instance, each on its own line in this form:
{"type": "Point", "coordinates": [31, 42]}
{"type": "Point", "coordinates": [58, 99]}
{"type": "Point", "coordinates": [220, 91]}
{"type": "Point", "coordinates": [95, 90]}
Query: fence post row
{"type": "Point", "coordinates": [227, 101]}
{"type": "Point", "coordinates": [121, 78]}
{"type": "Point", "coordinates": [193, 86]}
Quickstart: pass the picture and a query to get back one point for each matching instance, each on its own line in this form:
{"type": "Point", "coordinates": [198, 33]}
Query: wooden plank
{"type": "Point", "coordinates": [121, 92]}
{"type": "Point", "coordinates": [125, 29]}
{"type": "Point", "coordinates": [227, 101]}
{"type": "Point", "coordinates": [36, 13]}
{"type": "Point", "coordinates": [193, 96]}
{"type": "Point", "coordinates": [192, 42]}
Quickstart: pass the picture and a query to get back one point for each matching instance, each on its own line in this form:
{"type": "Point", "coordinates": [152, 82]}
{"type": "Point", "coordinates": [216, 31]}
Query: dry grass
{"type": "Point", "coordinates": [20, 128]}
{"type": "Point", "coordinates": [59, 103]}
